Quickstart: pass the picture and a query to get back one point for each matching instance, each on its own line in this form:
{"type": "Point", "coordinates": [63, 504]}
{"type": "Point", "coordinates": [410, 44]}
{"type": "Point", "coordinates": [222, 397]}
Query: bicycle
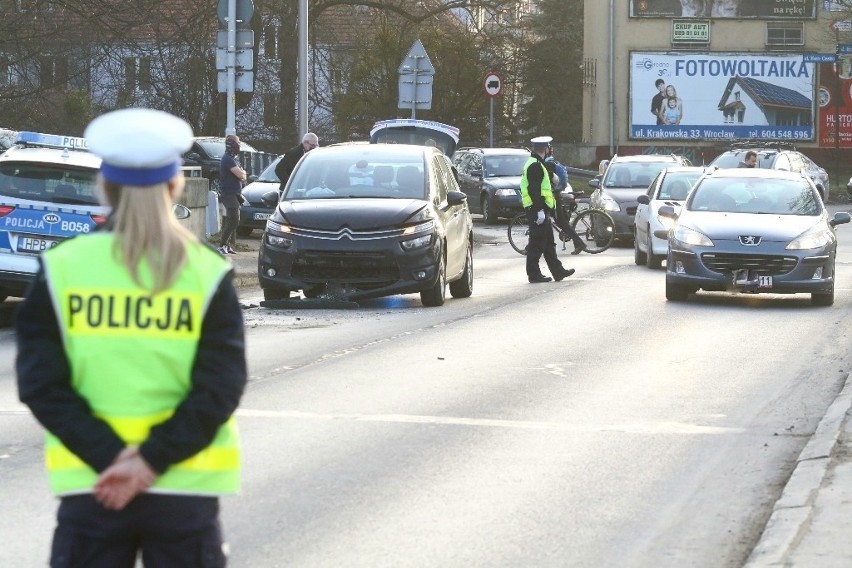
{"type": "Point", "coordinates": [594, 226]}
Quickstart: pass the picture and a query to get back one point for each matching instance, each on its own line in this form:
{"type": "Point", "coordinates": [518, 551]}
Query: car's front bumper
{"type": "Point", "coordinates": [718, 269]}
{"type": "Point", "coordinates": [355, 268]}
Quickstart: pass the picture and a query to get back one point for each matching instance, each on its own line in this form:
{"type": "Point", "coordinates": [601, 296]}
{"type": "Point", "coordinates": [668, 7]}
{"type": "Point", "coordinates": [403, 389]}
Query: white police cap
{"type": "Point", "coordinates": [139, 146]}
{"type": "Point", "coordinates": [542, 140]}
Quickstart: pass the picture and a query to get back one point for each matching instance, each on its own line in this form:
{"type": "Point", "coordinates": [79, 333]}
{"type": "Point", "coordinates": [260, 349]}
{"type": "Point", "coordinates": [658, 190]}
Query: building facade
{"type": "Point", "coordinates": [696, 76]}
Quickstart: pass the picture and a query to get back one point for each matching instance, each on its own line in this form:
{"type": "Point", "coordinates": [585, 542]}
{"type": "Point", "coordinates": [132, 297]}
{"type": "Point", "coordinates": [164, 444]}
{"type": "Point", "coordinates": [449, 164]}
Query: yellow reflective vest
{"type": "Point", "coordinates": [546, 188]}
{"type": "Point", "coordinates": [131, 356]}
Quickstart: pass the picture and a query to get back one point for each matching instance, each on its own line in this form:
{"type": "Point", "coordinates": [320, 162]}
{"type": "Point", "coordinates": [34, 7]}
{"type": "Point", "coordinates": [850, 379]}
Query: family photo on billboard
{"type": "Point", "coordinates": [727, 96]}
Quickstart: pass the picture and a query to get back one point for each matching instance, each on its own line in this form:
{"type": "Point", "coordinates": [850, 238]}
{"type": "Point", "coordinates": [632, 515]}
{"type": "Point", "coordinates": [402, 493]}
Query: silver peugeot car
{"type": "Point", "coordinates": [752, 231]}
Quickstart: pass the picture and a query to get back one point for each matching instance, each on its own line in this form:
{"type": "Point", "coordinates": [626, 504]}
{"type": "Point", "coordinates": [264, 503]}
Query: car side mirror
{"type": "Point", "coordinates": [183, 212]}
{"type": "Point", "coordinates": [595, 182]}
{"type": "Point", "coordinates": [840, 218]}
{"type": "Point", "coordinates": [456, 197]}
{"type": "Point", "coordinates": [271, 198]}
{"type": "Point", "coordinates": [667, 211]}
{"type": "Point", "coordinates": [643, 199]}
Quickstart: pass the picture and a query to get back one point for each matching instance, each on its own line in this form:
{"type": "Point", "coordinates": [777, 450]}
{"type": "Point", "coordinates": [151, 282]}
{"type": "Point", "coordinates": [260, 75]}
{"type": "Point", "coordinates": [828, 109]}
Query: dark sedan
{"type": "Point", "coordinates": [254, 212]}
{"type": "Point", "coordinates": [491, 178]}
{"type": "Point", "coordinates": [366, 221]}
{"type": "Point", "coordinates": [753, 231]}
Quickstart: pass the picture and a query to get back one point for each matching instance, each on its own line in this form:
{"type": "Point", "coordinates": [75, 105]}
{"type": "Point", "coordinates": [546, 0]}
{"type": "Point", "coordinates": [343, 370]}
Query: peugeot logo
{"type": "Point", "coordinates": [51, 218]}
{"type": "Point", "coordinates": [749, 240]}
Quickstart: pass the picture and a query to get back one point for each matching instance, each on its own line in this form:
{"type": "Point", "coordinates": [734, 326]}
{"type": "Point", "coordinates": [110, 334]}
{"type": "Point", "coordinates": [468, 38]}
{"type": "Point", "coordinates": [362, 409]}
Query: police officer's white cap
{"type": "Point", "coordinates": [139, 146]}
{"type": "Point", "coordinates": [541, 140]}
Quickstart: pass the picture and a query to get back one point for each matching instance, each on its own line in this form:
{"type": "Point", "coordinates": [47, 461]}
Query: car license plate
{"type": "Point", "coordinates": [764, 282]}
{"type": "Point", "coordinates": [262, 216]}
{"type": "Point", "coordinates": [33, 245]}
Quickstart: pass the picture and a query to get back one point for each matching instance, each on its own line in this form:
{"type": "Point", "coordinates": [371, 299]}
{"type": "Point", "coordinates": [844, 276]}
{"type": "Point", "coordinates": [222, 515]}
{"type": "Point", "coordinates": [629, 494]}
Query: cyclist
{"type": "Point", "coordinates": [561, 215]}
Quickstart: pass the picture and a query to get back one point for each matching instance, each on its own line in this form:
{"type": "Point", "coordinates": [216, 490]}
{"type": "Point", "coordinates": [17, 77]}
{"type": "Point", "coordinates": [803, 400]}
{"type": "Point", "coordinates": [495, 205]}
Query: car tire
{"type": "Point", "coordinates": [463, 287]}
{"type": "Point", "coordinates": [652, 261]}
{"type": "Point", "coordinates": [676, 292]}
{"type": "Point", "coordinates": [244, 231]}
{"type": "Point", "coordinates": [489, 216]}
{"type": "Point", "coordinates": [435, 295]}
{"type": "Point", "coordinates": [826, 299]}
{"type": "Point", "coordinates": [275, 294]}
{"type": "Point", "coordinates": [639, 257]}
{"type": "Point", "coordinates": [215, 184]}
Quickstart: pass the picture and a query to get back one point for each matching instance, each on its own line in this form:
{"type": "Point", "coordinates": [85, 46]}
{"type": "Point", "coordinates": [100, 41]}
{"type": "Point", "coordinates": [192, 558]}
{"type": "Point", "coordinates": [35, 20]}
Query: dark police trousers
{"type": "Point", "coordinates": [541, 244]}
{"type": "Point", "coordinates": [170, 530]}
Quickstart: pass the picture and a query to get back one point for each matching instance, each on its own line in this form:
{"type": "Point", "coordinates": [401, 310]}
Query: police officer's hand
{"type": "Point", "coordinates": [128, 476]}
{"type": "Point", "coordinates": [540, 218]}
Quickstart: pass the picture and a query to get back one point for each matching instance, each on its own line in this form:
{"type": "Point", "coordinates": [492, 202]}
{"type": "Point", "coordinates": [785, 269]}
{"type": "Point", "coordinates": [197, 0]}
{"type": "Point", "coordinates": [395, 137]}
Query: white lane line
{"type": "Point", "coordinates": [634, 428]}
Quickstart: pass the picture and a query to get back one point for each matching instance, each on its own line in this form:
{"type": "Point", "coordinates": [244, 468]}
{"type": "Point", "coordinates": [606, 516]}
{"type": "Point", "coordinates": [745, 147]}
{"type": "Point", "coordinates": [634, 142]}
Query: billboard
{"type": "Point", "coordinates": [759, 9]}
{"type": "Point", "coordinates": [721, 96]}
{"type": "Point", "coordinates": [835, 103]}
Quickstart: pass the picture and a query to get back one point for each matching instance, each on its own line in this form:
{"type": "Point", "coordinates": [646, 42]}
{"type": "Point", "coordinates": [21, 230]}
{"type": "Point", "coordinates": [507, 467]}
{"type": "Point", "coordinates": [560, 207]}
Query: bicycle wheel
{"type": "Point", "coordinates": [596, 228]}
{"type": "Point", "coordinates": [519, 233]}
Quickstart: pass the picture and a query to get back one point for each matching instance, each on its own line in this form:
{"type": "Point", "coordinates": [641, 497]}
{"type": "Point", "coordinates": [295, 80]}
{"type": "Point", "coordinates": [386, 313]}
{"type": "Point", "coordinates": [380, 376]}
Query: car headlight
{"type": "Point", "coordinates": [277, 227]}
{"type": "Point", "coordinates": [506, 192]}
{"type": "Point", "coordinates": [815, 237]}
{"type": "Point", "coordinates": [691, 237]}
{"type": "Point", "coordinates": [416, 243]}
{"type": "Point", "coordinates": [609, 204]}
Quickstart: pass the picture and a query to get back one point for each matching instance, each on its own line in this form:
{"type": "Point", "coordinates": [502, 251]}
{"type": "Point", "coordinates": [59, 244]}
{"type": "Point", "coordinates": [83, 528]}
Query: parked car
{"type": "Point", "coordinates": [418, 132]}
{"type": "Point", "coordinates": [206, 152]}
{"type": "Point", "coordinates": [491, 179]}
{"type": "Point", "coordinates": [623, 181]}
{"type": "Point", "coordinates": [777, 156]}
{"type": "Point", "coordinates": [670, 187]}
{"type": "Point", "coordinates": [47, 194]}
{"type": "Point", "coordinates": [404, 228]}
{"type": "Point", "coordinates": [753, 231]}
{"type": "Point", "coordinates": [254, 212]}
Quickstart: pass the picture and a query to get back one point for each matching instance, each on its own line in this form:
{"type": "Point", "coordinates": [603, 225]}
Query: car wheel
{"type": "Point", "coordinates": [826, 299]}
{"type": "Point", "coordinates": [463, 287]}
{"type": "Point", "coordinates": [215, 184]}
{"type": "Point", "coordinates": [275, 294]}
{"type": "Point", "coordinates": [244, 231]}
{"type": "Point", "coordinates": [652, 261]}
{"type": "Point", "coordinates": [488, 213]}
{"type": "Point", "coordinates": [676, 292]}
{"type": "Point", "coordinates": [639, 257]}
{"type": "Point", "coordinates": [434, 295]}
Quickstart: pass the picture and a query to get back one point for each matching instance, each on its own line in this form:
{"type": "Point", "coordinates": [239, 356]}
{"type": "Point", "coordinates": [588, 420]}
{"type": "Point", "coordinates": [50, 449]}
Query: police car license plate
{"type": "Point", "coordinates": [262, 216]}
{"type": "Point", "coordinates": [30, 244]}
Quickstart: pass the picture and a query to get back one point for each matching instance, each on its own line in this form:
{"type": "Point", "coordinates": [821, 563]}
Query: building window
{"type": "Point", "coordinates": [270, 109]}
{"type": "Point", "coordinates": [784, 33]}
{"type": "Point", "coordinates": [53, 72]}
{"type": "Point", "coordinates": [137, 73]}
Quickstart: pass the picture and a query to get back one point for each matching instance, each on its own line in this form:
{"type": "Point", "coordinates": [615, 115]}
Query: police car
{"type": "Point", "coordinates": [47, 195]}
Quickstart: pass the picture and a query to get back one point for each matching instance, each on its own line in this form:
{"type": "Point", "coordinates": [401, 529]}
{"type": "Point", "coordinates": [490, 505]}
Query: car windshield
{"type": "Point", "coordinates": [48, 183]}
{"type": "Point", "coordinates": [633, 174]}
{"type": "Point", "coordinates": [215, 148]}
{"type": "Point", "coordinates": [676, 185]}
{"type": "Point", "coordinates": [505, 166]}
{"type": "Point", "coordinates": [268, 174]}
{"type": "Point", "coordinates": [755, 195]}
{"type": "Point", "coordinates": [358, 175]}
{"type": "Point", "coordinates": [733, 160]}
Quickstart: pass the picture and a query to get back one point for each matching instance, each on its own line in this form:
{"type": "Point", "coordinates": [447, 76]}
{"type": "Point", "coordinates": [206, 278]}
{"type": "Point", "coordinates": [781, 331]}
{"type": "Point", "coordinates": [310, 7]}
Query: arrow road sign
{"type": "Point", "coordinates": [417, 61]}
{"type": "Point", "coordinates": [493, 84]}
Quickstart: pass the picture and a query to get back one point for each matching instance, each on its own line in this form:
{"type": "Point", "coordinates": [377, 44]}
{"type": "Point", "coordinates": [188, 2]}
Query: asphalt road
{"type": "Point", "coordinates": [581, 423]}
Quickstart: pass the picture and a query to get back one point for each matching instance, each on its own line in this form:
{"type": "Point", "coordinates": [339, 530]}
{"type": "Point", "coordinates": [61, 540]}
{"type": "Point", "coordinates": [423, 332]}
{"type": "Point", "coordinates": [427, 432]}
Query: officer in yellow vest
{"type": "Point", "coordinates": [131, 354]}
{"type": "Point", "coordinates": [539, 203]}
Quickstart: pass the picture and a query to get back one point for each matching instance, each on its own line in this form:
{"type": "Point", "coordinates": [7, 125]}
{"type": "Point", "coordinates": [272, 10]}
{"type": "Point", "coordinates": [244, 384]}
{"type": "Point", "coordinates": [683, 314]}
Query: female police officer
{"type": "Point", "coordinates": [131, 354]}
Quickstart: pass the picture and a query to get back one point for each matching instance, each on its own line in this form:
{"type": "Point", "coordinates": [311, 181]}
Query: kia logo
{"type": "Point", "coordinates": [51, 218]}
{"type": "Point", "coordinates": [749, 240]}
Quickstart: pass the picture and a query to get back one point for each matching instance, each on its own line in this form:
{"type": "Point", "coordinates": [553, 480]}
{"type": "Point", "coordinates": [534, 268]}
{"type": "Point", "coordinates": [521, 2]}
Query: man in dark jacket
{"type": "Point", "coordinates": [293, 155]}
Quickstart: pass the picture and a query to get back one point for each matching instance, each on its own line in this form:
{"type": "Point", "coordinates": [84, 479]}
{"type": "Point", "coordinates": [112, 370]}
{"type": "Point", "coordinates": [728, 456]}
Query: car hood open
{"type": "Point", "coordinates": [730, 226]}
{"type": "Point", "coordinates": [361, 214]}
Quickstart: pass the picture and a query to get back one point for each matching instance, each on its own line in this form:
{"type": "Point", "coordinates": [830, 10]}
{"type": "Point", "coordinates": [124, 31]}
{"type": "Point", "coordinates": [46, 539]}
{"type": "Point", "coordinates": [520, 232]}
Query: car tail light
{"type": "Point", "coordinates": [6, 209]}
{"type": "Point", "coordinates": [99, 219]}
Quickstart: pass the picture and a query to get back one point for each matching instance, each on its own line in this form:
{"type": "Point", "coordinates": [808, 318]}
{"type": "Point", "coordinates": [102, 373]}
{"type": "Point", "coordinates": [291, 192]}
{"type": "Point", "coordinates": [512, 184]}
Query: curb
{"type": "Point", "coordinates": [793, 511]}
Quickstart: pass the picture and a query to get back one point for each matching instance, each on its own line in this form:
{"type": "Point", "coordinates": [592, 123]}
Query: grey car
{"type": "Point", "coordinates": [753, 231]}
{"type": "Point", "coordinates": [625, 179]}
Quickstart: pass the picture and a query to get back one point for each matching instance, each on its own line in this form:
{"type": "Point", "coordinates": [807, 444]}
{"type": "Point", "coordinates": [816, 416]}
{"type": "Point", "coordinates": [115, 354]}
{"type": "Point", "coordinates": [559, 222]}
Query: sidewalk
{"type": "Point", "coordinates": [245, 261]}
{"type": "Point", "coordinates": [811, 524]}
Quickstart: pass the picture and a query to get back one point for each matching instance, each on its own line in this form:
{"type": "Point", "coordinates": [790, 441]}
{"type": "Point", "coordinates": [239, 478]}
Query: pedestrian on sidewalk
{"type": "Point", "coordinates": [540, 204]}
{"type": "Point", "coordinates": [288, 163]}
{"type": "Point", "coordinates": [131, 355]}
{"type": "Point", "coordinates": [232, 177]}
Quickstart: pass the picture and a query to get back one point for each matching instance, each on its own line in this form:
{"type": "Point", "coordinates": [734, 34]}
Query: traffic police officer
{"type": "Point", "coordinates": [131, 354]}
{"type": "Point", "coordinates": [539, 203]}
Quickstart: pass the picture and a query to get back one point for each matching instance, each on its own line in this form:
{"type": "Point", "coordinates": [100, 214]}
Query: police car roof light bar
{"type": "Point", "coordinates": [52, 141]}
